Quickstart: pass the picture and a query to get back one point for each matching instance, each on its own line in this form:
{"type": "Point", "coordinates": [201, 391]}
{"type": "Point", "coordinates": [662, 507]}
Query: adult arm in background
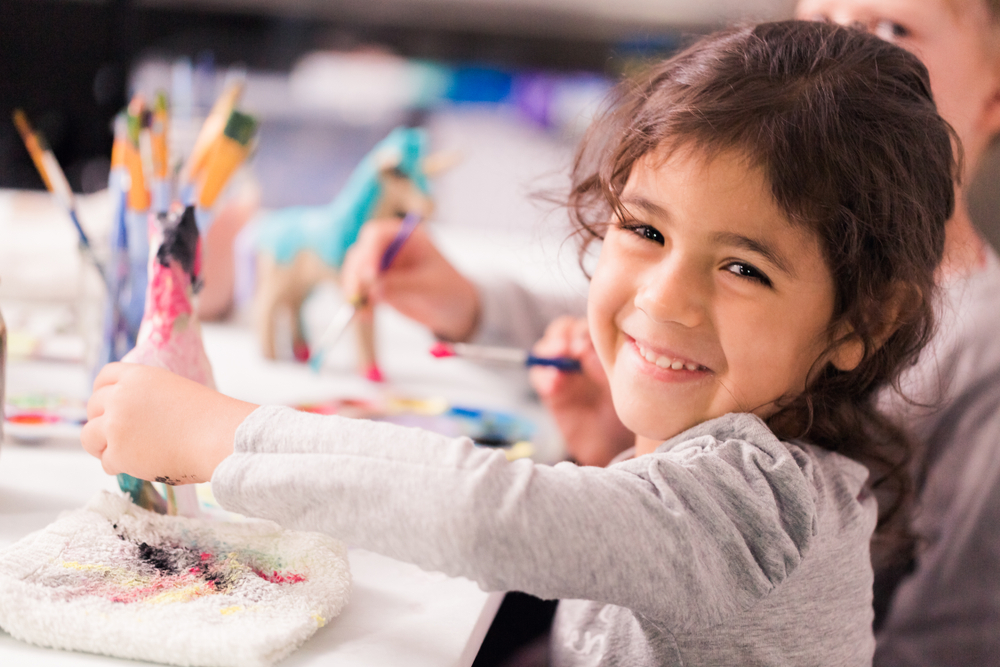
{"type": "Point", "coordinates": [424, 286]}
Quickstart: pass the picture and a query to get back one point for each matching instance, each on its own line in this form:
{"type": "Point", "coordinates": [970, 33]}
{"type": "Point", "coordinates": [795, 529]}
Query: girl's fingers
{"type": "Point", "coordinates": [95, 406]}
{"type": "Point", "coordinates": [110, 374]}
{"type": "Point", "coordinates": [92, 438]}
{"type": "Point", "coordinates": [557, 339]}
{"type": "Point", "coordinates": [109, 467]}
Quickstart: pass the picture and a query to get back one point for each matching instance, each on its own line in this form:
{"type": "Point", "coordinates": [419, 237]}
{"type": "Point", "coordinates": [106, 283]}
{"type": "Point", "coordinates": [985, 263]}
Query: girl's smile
{"type": "Point", "coordinates": [667, 361]}
{"type": "Point", "coordinates": [706, 299]}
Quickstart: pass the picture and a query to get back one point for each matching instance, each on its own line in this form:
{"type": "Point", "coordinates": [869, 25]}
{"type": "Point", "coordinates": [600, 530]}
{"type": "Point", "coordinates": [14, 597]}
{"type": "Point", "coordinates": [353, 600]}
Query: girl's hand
{"type": "Point", "coordinates": [158, 426]}
{"type": "Point", "coordinates": [420, 283]}
{"type": "Point", "coordinates": [579, 402]}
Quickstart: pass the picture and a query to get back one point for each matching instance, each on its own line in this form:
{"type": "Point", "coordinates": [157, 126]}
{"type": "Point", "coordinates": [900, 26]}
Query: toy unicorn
{"type": "Point", "coordinates": [301, 246]}
{"type": "Point", "coordinates": [170, 335]}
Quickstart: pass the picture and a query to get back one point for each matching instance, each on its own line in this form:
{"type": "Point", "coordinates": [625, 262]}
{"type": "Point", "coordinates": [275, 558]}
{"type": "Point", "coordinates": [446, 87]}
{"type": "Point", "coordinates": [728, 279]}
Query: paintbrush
{"type": "Point", "coordinates": [138, 195]}
{"type": "Point", "coordinates": [211, 130]}
{"type": "Point", "coordinates": [503, 355]}
{"type": "Point", "coordinates": [55, 181]}
{"type": "Point", "coordinates": [228, 152]}
{"type": "Point", "coordinates": [159, 127]}
{"type": "Point", "coordinates": [338, 325]}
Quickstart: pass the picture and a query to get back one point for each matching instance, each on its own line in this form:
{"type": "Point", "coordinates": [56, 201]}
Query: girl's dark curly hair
{"type": "Point", "coordinates": [844, 127]}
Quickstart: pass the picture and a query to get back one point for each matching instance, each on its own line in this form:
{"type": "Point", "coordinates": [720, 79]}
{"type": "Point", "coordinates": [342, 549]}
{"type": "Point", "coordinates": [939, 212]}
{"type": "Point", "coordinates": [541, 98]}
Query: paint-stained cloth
{"type": "Point", "coordinates": [116, 579]}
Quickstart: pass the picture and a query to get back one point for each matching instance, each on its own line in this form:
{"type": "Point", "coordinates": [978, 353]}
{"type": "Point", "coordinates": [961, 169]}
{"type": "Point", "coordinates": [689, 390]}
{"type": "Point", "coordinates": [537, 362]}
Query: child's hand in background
{"type": "Point", "coordinates": [158, 426]}
{"type": "Point", "coordinates": [579, 402]}
{"type": "Point", "coordinates": [420, 284]}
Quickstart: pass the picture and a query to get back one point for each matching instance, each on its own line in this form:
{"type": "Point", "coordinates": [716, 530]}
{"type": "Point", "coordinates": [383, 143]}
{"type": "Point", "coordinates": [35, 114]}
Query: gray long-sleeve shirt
{"type": "Point", "coordinates": [725, 546]}
{"type": "Point", "coordinates": [947, 611]}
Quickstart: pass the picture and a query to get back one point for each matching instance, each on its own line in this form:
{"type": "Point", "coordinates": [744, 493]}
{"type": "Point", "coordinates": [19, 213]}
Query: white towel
{"type": "Point", "coordinates": [115, 579]}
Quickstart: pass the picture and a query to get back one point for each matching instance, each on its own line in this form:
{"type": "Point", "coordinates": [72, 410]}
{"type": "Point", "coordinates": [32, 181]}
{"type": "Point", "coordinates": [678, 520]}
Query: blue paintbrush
{"type": "Point", "coordinates": [503, 355]}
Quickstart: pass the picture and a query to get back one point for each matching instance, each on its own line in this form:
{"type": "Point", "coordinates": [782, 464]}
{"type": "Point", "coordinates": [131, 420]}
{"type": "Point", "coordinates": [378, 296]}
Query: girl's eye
{"type": "Point", "coordinates": [749, 272]}
{"type": "Point", "coordinates": [890, 31]}
{"type": "Point", "coordinates": [644, 231]}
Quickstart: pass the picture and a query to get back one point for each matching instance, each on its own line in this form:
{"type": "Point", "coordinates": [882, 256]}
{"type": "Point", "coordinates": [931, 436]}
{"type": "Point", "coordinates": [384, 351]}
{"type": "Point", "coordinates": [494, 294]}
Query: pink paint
{"type": "Point", "coordinates": [442, 350]}
{"type": "Point", "coordinates": [170, 334]}
{"type": "Point", "coordinates": [168, 304]}
{"type": "Point", "coordinates": [374, 374]}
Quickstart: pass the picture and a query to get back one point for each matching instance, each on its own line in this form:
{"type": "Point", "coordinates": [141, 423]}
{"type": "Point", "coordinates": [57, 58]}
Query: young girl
{"type": "Point", "coordinates": [772, 203]}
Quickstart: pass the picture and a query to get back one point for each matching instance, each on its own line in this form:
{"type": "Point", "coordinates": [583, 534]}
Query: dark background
{"type": "Point", "coordinates": [66, 63]}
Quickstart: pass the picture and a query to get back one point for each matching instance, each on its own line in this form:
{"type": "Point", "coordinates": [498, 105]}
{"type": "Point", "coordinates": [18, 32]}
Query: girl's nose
{"type": "Point", "coordinates": [672, 291]}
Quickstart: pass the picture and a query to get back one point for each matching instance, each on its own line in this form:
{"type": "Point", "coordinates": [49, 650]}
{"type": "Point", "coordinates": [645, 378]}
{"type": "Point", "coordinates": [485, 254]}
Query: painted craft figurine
{"type": "Point", "coordinates": [299, 247]}
{"type": "Point", "coordinates": [170, 334]}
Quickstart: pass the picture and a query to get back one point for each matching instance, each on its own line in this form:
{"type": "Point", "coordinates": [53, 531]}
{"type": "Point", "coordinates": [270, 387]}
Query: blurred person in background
{"type": "Point", "coordinates": [943, 607]}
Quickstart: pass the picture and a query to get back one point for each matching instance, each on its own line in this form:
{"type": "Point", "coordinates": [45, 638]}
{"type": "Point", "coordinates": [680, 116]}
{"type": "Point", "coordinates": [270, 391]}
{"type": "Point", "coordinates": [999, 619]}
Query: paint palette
{"type": "Point", "coordinates": [34, 417]}
{"type": "Point", "coordinates": [486, 427]}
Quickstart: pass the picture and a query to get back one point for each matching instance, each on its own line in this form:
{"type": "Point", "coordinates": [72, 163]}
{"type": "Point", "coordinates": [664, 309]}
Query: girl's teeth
{"type": "Point", "coordinates": [663, 362]}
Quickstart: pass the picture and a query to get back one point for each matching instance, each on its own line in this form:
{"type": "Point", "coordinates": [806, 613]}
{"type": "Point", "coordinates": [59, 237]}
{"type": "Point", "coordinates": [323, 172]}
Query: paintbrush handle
{"type": "Point", "coordinates": [565, 364]}
{"type": "Point", "coordinates": [513, 355]}
{"type": "Point", "coordinates": [410, 223]}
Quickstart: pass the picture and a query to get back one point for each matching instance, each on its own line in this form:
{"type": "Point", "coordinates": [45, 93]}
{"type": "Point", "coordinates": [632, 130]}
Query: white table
{"type": "Point", "coordinates": [398, 614]}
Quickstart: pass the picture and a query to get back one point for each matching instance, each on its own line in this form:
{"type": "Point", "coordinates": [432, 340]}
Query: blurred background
{"type": "Point", "coordinates": [322, 74]}
{"type": "Point", "coordinates": [507, 86]}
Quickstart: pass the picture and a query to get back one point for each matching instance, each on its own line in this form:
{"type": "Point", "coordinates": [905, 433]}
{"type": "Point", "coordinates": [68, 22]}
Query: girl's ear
{"type": "Point", "coordinates": [990, 117]}
{"type": "Point", "coordinates": [989, 113]}
{"type": "Point", "coordinates": [850, 350]}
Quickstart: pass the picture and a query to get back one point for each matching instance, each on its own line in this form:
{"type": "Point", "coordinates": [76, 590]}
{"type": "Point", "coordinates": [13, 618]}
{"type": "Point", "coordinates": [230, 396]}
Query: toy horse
{"type": "Point", "coordinates": [170, 335]}
{"type": "Point", "coordinates": [301, 246]}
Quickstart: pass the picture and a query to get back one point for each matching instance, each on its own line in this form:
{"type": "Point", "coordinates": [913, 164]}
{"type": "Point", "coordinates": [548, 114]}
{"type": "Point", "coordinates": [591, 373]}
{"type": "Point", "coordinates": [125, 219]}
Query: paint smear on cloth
{"type": "Point", "coordinates": [116, 579]}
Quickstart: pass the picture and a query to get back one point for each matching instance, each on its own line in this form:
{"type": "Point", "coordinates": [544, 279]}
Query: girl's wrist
{"type": "Point", "coordinates": [460, 320]}
{"type": "Point", "coordinates": [224, 442]}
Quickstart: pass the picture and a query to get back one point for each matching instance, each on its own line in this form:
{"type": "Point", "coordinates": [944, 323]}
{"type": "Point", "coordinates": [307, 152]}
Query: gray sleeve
{"type": "Point", "coordinates": [511, 314]}
{"type": "Point", "coordinates": [685, 537]}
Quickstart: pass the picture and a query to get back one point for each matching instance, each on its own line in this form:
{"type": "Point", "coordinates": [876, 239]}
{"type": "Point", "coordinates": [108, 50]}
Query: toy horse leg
{"type": "Point", "coordinates": [300, 348]}
{"type": "Point", "coordinates": [364, 320]}
{"type": "Point", "coordinates": [266, 306]}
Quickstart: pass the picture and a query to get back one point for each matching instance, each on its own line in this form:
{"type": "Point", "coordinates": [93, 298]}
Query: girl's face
{"type": "Point", "coordinates": [951, 37]}
{"type": "Point", "coordinates": [705, 300]}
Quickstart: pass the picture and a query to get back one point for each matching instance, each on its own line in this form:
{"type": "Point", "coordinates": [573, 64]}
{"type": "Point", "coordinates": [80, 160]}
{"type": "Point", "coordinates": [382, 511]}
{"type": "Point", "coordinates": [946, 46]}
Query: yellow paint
{"type": "Point", "coordinates": [74, 565]}
{"type": "Point", "coordinates": [180, 595]}
{"type": "Point", "coordinates": [320, 621]}
{"type": "Point", "coordinates": [121, 576]}
{"type": "Point", "coordinates": [520, 450]}
{"type": "Point", "coordinates": [419, 406]}
{"type": "Point", "coordinates": [231, 610]}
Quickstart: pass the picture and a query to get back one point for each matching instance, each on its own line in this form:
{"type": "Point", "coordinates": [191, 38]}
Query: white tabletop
{"type": "Point", "coordinates": [398, 614]}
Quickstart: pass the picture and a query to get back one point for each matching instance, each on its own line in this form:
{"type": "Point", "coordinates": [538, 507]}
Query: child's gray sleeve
{"type": "Point", "coordinates": [510, 314]}
{"type": "Point", "coordinates": [706, 529]}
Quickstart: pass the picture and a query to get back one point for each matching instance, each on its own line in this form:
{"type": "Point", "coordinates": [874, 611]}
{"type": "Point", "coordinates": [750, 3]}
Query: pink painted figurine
{"type": "Point", "coordinates": [170, 334]}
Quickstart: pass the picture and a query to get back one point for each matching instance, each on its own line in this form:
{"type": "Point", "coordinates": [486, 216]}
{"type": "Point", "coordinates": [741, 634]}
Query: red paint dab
{"type": "Point", "coordinates": [301, 352]}
{"type": "Point", "coordinates": [278, 578]}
